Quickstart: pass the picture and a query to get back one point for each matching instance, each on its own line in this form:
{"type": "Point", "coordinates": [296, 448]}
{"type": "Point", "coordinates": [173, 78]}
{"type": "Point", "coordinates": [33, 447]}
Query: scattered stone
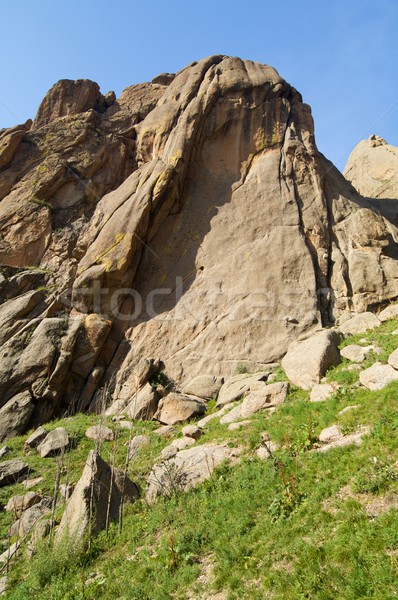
{"type": "Point", "coordinates": [235, 387]}
{"type": "Point", "coordinates": [96, 492]}
{"type": "Point", "coordinates": [307, 361]}
{"type": "Point", "coordinates": [15, 415]}
{"type": "Point", "coordinates": [35, 439]}
{"type": "Point", "coordinates": [347, 409]}
{"type": "Point", "coordinates": [203, 422]}
{"type": "Point", "coordinates": [192, 431]}
{"type": "Point", "coordinates": [138, 442]}
{"type": "Point", "coordinates": [355, 353]}
{"type": "Point", "coordinates": [204, 386]}
{"type": "Point", "coordinates": [100, 433]}
{"type": "Point", "coordinates": [233, 415]}
{"type": "Point", "coordinates": [182, 443]}
{"type": "Point", "coordinates": [30, 517]}
{"type": "Point", "coordinates": [322, 391]}
{"type": "Point", "coordinates": [378, 376]}
{"type": "Point", "coordinates": [29, 483]}
{"type": "Point", "coordinates": [126, 425]}
{"type": "Point", "coordinates": [12, 470]}
{"type": "Point", "coordinates": [176, 408]}
{"type": "Point", "coordinates": [10, 552]}
{"type": "Point", "coordinates": [329, 434]}
{"type": "Point", "coordinates": [165, 430]}
{"type": "Point", "coordinates": [187, 469]}
{"type": "Point", "coordinates": [361, 323]}
{"type": "Point", "coordinates": [236, 426]}
{"type": "Point", "coordinates": [264, 397]}
{"type": "Point", "coordinates": [55, 442]}
{"type": "Point", "coordinates": [265, 451]}
{"type": "Point", "coordinates": [17, 504]}
{"type": "Point", "coordinates": [393, 359]}
{"type": "Point", "coordinates": [391, 312]}
{"type": "Point", "coordinates": [4, 451]}
{"type": "Point", "coordinates": [168, 452]}
{"type": "Point", "coordinates": [345, 440]}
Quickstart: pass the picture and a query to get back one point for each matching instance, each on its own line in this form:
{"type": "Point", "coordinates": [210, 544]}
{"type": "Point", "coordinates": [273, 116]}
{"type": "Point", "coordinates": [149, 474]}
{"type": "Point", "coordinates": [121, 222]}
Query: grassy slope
{"type": "Point", "coordinates": [268, 529]}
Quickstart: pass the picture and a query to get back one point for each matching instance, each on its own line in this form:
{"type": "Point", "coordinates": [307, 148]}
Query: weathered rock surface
{"type": "Point", "coordinates": [176, 408]}
{"type": "Point", "coordinates": [192, 219]}
{"type": "Point", "coordinates": [322, 391]}
{"type": "Point", "coordinates": [35, 438]}
{"type": "Point", "coordinates": [96, 489]}
{"type": "Point", "coordinates": [360, 324]}
{"type": "Point", "coordinates": [55, 442]}
{"type": "Point", "coordinates": [187, 469]}
{"type": "Point", "coordinates": [378, 376]}
{"type": "Point", "coordinates": [356, 353]}
{"type": "Point", "coordinates": [390, 312]}
{"type": "Point", "coordinates": [372, 168]}
{"type": "Point", "coordinates": [307, 361]}
{"type": "Point", "coordinates": [393, 359]}
{"type": "Point", "coordinates": [12, 470]}
{"type": "Point", "coordinates": [138, 442]}
{"type": "Point", "coordinates": [30, 517]}
{"type": "Point", "coordinates": [235, 387]}
{"type": "Point", "coordinates": [100, 433]}
{"type": "Point", "coordinates": [18, 504]}
{"type": "Point", "coordinates": [15, 415]}
{"type": "Point", "coordinates": [204, 386]}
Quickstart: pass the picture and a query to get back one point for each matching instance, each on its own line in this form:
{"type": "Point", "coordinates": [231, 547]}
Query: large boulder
{"type": "Point", "coordinates": [97, 493]}
{"type": "Point", "coordinates": [204, 386]}
{"type": "Point", "coordinates": [360, 324]}
{"type": "Point", "coordinates": [307, 361]}
{"type": "Point", "coordinates": [378, 376]}
{"type": "Point", "coordinates": [12, 470]}
{"type": "Point", "coordinates": [187, 469]}
{"type": "Point", "coordinates": [55, 442]}
{"type": "Point", "coordinates": [176, 408]}
{"type": "Point", "coordinates": [15, 415]}
{"type": "Point", "coordinates": [234, 387]}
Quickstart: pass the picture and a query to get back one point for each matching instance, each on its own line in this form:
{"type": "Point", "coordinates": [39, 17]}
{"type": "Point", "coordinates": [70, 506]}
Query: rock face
{"type": "Point", "coordinates": [191, 220]}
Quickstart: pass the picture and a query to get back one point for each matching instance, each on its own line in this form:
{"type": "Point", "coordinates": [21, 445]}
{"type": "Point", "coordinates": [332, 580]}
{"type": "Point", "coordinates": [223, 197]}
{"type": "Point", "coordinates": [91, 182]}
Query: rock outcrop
{"type": "Point", "coordinates": [191, 220]}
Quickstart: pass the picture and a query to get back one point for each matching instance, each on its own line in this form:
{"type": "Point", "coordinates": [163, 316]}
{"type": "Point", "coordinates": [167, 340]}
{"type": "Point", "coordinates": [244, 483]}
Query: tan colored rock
{"type": "Point", "coordinates": [144, 405]}
{"type": "Point", "coordinates": [265, 452]}
{"type": "Point", "coordinates": [55, 442]}
{"type": "Point", "coordinates": [391, 312]}
{"type": "Point", "coordinates": [307, 361]}
{"type": "Point", "coordinates": [372, 168]}
{"type": "Point", "coordinates": [35, 438]}
{"type": "Point", "coordinates": [351, 439]}
{"type": "Point", "coordinates": [192, 431]}
{"type": "Point", "coordinates": [360, 324]}
{"type": "Point", "coordinates": [187, 469]}
{"type": "Point", "coordinates": [176, 408]}
{"type": "Point", "coordinates": [30, 517]}
{"type": "Point", "coordinates": [322, 391]}
{"type": "Point", "coordinates": [12, 470]}
{"type": "Point", "coordinates": [263, 398]}
{"type": "Point", "coordinates": [15, 415]}
{"type": "Point", "coordinates": [18, 504]}
{"type": "Point", "coordinates": [204, 386]}
{"type": "Point", "coordinates": [234, 387]}
{"type": "Point", "coordinates": [182, 443]}
{"type": "Point", "coordinates": [393, 359]}
{"type": "Point", "coordinates": [329, 434]}
{"type": "Point", "coordinates": [95, 488]}
{"type": "Point", "coordinates": [348, 409]}
{"type": "Point", "coordinates": [165, 430]}
{"type": "Point", "coordinates": [356, 353]}
{"type": "Point", "coordinates": [378, 376]}
{"type": "Point", "coordinates": [29, 483]}
{"type": "Point", "coordinates": [100, 433]}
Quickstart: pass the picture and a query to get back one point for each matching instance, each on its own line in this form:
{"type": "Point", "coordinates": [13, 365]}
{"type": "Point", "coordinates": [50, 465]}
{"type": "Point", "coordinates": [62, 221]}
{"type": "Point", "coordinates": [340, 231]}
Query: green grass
{"type": "Point", "coordinates": [268, 529]}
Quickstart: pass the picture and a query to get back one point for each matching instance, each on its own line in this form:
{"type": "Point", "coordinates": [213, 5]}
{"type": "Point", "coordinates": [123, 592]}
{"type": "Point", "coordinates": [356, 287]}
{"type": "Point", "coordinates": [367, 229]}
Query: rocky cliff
{"type": "Point", "coordinates": [192, 221]}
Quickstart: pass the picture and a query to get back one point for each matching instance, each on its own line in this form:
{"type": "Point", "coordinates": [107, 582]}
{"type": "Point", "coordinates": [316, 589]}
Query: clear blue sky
{"type": "Point", "coordinates": [341, 55]}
